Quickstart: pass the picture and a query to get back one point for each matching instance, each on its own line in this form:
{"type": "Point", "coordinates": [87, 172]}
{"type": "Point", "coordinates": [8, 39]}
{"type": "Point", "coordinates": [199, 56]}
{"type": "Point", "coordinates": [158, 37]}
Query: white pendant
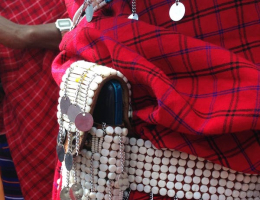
{"type": "Point", "coordinates": [177, 12]}
{"type": "Point", "coordinates": [133, 16]}
{"type": "Point", "coordinates": [89, 13]}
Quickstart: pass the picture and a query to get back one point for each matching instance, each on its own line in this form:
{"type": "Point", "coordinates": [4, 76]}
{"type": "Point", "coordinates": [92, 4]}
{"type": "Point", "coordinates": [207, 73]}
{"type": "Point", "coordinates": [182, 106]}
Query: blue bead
{"type": "Point", "coordinates": [108, 1]}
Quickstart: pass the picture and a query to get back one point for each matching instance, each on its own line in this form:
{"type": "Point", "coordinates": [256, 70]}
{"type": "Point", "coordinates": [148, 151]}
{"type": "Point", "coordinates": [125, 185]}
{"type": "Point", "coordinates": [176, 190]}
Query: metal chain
{"type": "Point", "coordinates": [60, 132]}
{"type": "Point", "coordinates": [134, 7]}
{"type": "Point", "coordinates": [121, 154]}
{"type": "Point", "coordinates": [66, 82]}
{"type": "Point", "coordinates": [79, 86]}
{"type": "Point", "coordinates": [74, 166]}
{"type": "Point", "coordinates": [109, 191]}
{"type": "Point", "coordinates": [77, 142]}
{"type": "Point", "coordinates": [83, 7]}
{"type": "Point", "coordinates": [68, 178]}
{"type": "Point", "coordinates": [151, 195]}
{"type": "Point", "coordinates": [177, 2]}
{"type": "Point", "coordinates": [88, 83]}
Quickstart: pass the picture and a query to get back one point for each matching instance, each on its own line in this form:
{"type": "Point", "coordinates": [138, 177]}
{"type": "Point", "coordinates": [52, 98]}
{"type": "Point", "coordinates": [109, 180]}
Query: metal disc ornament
{"type": "Point", "coordinates": [60, 152]}
{"type": "Point", "coordinates": [64, 104]}
{"type": "Point", "coordinates": [123, 181]}
{"type": "Point", "coordinates": [68, 161]}
{"type": "Point", "coordinates": [133, 16]}
{"type": "Point", "coordinates": [89, 12]}
{"type": "Point", "coordinates": [73, 111]}
{"type": "Point", "coordinates": [177, 11]}
{"type": "Point", "coordinates": [64, 194]}
{"type": "Point", "coordinates": [76, 191]}
{"type": "Point", "coordinates": [84, 121]}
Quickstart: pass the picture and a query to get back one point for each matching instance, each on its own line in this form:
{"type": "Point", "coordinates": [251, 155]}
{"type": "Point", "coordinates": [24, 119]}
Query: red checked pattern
{"type": "Point", "coordinates": [195, 83]}
{"type": "Point", "coordinates": [29, 107]}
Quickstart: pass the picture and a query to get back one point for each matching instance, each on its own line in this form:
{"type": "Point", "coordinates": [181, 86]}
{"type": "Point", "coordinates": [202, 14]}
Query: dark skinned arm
{"type": "Point", "coordinates": [18, 36]}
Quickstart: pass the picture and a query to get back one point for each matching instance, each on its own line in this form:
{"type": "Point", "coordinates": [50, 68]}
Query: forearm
{"type": "Point", "coordinates": [43, 36]}
{"type": "Point", "coordinates": [13, 35]}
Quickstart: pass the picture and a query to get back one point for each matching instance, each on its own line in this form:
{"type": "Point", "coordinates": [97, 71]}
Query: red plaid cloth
{"type": "Point", "coordinates": [29, 107]}
{"type": "Point", "coordinates": [195, 83]}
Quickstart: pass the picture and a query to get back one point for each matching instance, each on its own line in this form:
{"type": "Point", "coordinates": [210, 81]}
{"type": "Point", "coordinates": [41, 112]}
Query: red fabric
{"type": "Point", "coordinates": [195, 83]}
{"type": "Point", "coordinates": [29, 107]}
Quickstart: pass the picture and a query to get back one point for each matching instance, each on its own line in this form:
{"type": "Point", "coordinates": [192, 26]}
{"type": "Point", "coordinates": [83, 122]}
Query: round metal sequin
{"type": "Point", "coordinates": [84, 121]}
{"type": "Point", "coordinates": [64, 104]}
{"type": "Point", "coordinates": [64, 194]}
{"type": "Point", "coordinates": [73, 111]}
{"type": "Point", "coordinates": [60, 152]}
{"type": "Point", "coordinates": [76, 191]}
{"type": "Point", "coordinates": [177, 11]}
{"type": "Point", "coordinates": [133, 16]}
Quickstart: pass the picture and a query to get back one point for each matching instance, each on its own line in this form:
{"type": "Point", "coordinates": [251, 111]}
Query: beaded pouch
{"type": "Point", "coordinates": [101, 161]}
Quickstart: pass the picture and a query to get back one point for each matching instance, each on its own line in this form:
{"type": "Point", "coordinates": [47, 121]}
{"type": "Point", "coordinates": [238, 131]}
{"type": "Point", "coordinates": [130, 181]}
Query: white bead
{"type": "Point", "coordinates": [214, 197]}
{"type": "Point", "coordinates": [141, 157]}
{"type": "Point", "coordinates": [158, 153]}
{"type": "Point", "coordinates": [103, 167]}
{"type": "Point", "coordinates": [178, 186]}
{"type": "Point", "coordinates": [109, 130]}
{"type": "Point", "coordinates": [189, 195]}
{"type": "Point", "coordinates": [228, 192]}
{"type": "Point", "coordinates": [147, 189]}
{"type": "Point", "coordinates": [231, 177]}
{"type": "Point", "coordinates": [150, 152]}
{"type": "Point", "coordinates": [92, 195]}
{"type": "Point", "coordinates": [111, 161]}
{"type": "Point", "coordinates": [167, 153]}
{"type": "Point", "coordinates": [140, 187]}
{"type": "Point", "coordinates": [235, 193]}
{"type": "Point", "coordinates": [230, 184]}
{"type": "Point", "coordinates": [187, 179]}
{"type": "Point", "coordinates": [155, 190]}
{"type": "Point", "coordinates": [181, 170]}
{"type": "Point", "coordinates": [155, 175]}
{"type": "Point", "coordinates": [146, 181]}
{"type": "Point", "coordinates": [134, 149]}
{"type": "Point", "coordinates": [101, 181]}
{"type": "Point", "coordinates": [99, 133]}
{"type": "Point", "coordinates": [133, 163]}
{"type": "Point", "coordinates": [115, 147]}
{"type": "Point", "coordinates": [170, 185]}
{"type": "Point", "coordinates": [140, 142]}
{"type": "Point", "coordinates": [253, 179]}
{"type": "Point", "coordinates": [131, 178]}
{"type": "Point", "coordinates": [200, 165]}
{"type": "Point", "coordinates": [182, 162]}
{"type": "Point", "coordinates": [165, 161]}
{"type": "Point", "coordinates": [139, 172]}
{"type": "Point", "coordinates": [147, 144]}
{"type": "Point", "coordinates": [209, 165]}
{"type": "Point", "coordinates": [191, 164]}
{"type": "Point", "coordinates": [224, 174]}
{"type": "Point", "coordinates": [95, 164]}
{"type": "Point", "coordinates": [196, 179]}
{"type": "Point", "coordinates": [195, 188]}
{"type": "Point", "coordinates": [252, 186]}
{"type": "Point", "coordinates": [179, 177]}
{"type": "Point", "coordinates": [133, 186]}
{"type": "Point", "coordinates": [171, 177]}
{"type": "Point", "coordinates": [221, 190]}
{"type": "Point", "coordinates": [131, 171]}
{"type": "Point", "coordinates": [215, 174]}
{"type": "Point", "coordinates": [222, 197]}
{"type": "Point", "coordinates": [156, 168]}
{"type": "Point", "coordinates": [142, 150]}
{"type": "Point", "coordinates": [205, 196]}
{"type": "Point", "coordinates": [206, 173]}
{"type": "Point", "coordinates": [173, 161]}
{"type": "Point", "coordinates": [111, 176]}
{"type": "Point", "coordinates": [153, 182]}
{"type": "Point", "coordinates": [99, 195]}
{"type": "Point", "coordinates": [164, 168]}
{"type": "Point", "coordinates": [212, 190]}
{"type": "Point", "coordinates": [102, 174]}
{"type": "Point", "coordinates": [171, 193]}
{"type": "Point", "coordinates": [180, 194]}
{"type": "Point", "coordinates": [205, 181]}
{"type": "Point", "coordinates": [118, 130]}
{"type": "Point", "coordinates": [163, 176]}
{"type": "Point", "coordinates": [163, 191]}
{"type": "Point", "coordinates": [213, 182]}
{"type": "Point", "coordinates": [116, 139]}
{"type": "Point", "coordinates": [132, 141]}
{"type": "Point", "coordinates": [222, 182]}
{"type": "Point", "coordinates": [124, 131]}
{"type": "Point", "coordinates": [93, 131]}
{"type": "Point", "coordinates": [189, 171]}
{"type": "Point", "coordinates": [112, 168]}
{"type": "Point", "coordinates": [96, 156]}
{"type": "Point", "coordinates": [147, 174]}
{"type": "Point", "coordinates": [161, 183]}
{"type": "Point", "coordinates": [217, 167]}
{"type": "Point", "coordinates": [138, 179]}
{"type": "Point", "coordinates": [242, 194]}
{"type": "Point", "coordinates": [104, 152]}
{"type": "Point", "coordinates": [113, 154]}
{"type": "Point", "coordinates": [108, 138]}
{"type": "Point", "coordinates": [140, 165]}
{"type": "Point", "coordinates": [203, 188]}
{"type": "Point", "coordinates": [245, 187]}
{"type": "Point", "coordinates": [198, 172]}
{"type": "Point", "coordinates": [148, 159]}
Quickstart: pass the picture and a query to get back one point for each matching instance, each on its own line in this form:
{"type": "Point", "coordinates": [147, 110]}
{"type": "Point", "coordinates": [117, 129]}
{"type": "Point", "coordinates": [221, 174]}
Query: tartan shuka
{"type": "Point", "coordinates": [29, 107]}
{"type": "Point", "coordinates": [195, 83]}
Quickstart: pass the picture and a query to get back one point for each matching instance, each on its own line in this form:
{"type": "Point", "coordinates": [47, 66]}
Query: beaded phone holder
{"type": "Point", "coordinates": [106, 162]}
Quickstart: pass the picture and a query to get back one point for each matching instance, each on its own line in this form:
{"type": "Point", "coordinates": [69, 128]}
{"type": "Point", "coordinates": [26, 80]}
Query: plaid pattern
{"type": "Point", "coordinates": [30, 102]}
{"type": "Point", "coordinates": [11, 185]}
{"type": "Point", "coordinates": [195, 83]}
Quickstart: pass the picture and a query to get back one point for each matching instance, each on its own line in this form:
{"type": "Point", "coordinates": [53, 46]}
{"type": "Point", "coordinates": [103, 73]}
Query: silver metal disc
{"type": "Point", "coordinates": [64, 194]}
{"type": "Point", "coordinates": [76, 191]}
{"type": "Point", "coordinates": [73, 111]}
{"type": "Point", "coordinates": [68, 161]}
{"type": "Point", "coordinates": [177, 12]}
{"type": "Point", "coordinates": [60, 152]}
{"type": "Point", "coordinates": [133, 16]}
{"type": "Point", "coordinates": [64, 104]}
{"type": "Point", "coordinates": [84, 121]}
{"type": "Point", "coordinates": [89, 13]}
